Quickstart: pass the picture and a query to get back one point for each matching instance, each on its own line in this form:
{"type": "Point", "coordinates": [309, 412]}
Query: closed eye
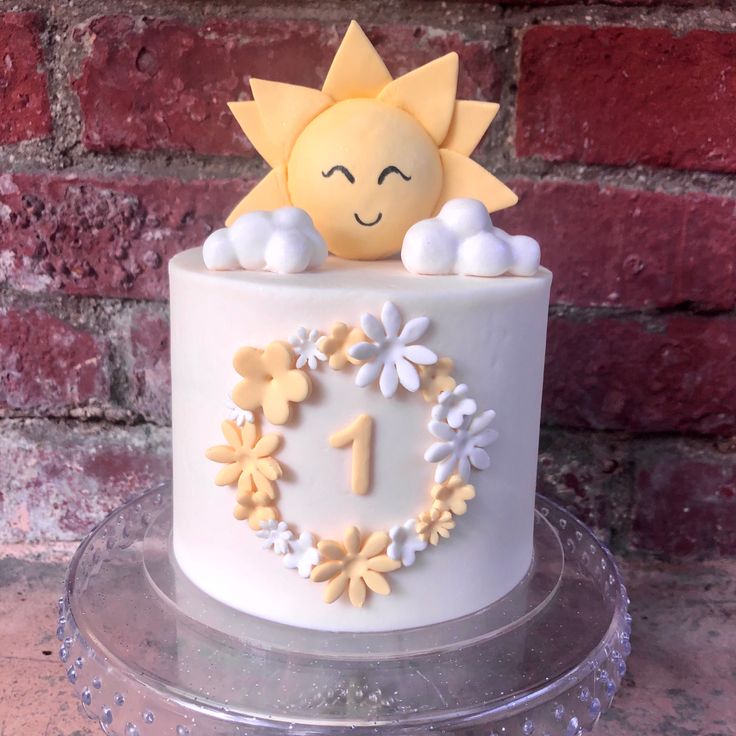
{"type": "Point", "coordinates": [343, 170]}
{"type": "Point", "coordinates": [392, 170]}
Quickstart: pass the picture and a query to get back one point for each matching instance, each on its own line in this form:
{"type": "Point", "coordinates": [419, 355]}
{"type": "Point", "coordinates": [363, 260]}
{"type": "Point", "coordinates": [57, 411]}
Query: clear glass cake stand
{"type": "Point", "coordinates": [149, 654]}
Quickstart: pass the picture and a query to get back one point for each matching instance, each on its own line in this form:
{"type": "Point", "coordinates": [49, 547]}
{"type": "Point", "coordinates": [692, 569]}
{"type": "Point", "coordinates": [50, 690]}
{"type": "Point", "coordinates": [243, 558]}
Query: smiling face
{"type": "Point", "coordinates": [365, 172]}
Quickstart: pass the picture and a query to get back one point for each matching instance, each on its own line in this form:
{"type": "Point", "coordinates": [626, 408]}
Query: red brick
{"type": "Point", "coordinates": [162, 84]}
{"type": "Point", "coordinates": [23, 93]}
{"type": "Point", "coordinates": [685, 499]}
{"type": "Point", "coordinates": [628, 96]}
{"type": "Point", "coordinates": [104, 237]}
{"type": "Point", "coordinates": [59, 479]}
{"type": "Point", "coordinates": [668, 374]}
{"type": "Point", "coordinates": [48, 365]}
{"type": "Point", "coordinates": [610, 246]}
{"type": "Point", "coordinates": [149, 370]}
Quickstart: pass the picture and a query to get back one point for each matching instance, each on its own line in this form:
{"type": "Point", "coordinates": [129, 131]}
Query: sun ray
{"type": "Point", "coordinates": [470, 121]}
{"type": "Point", "coordinates": [428, 94]}
{"type": "Point", "coordinates": [269, 194]}
{"type": "Point", "coordinates": [463, 177]}
{"type": "Point", "coordinates": [249, 119]}
{"type": "Point", "coordinates": [285, 110]}
{"type": "Point", "coordinates": [357, 69]}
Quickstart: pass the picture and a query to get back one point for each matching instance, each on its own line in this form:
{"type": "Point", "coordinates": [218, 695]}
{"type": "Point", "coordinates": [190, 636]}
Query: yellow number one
{"type": "Point", "coordinates": [358, 433]}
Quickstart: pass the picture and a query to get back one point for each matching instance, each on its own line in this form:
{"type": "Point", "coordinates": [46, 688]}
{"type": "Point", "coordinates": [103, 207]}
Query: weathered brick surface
{"type": "Point", "coordinates": [626, 95]}
{"type": "Point", "coordinates": [24, 102]}
{"type": "Point", "coordinates": [47, 365]}
{"type": "Point", "coordinates": [104, 237]}
{"type": "Point", "coordinates": [59, 479]}
{"type": "Point", "coordinates": [685, 499]}
{"type": "Point", "coordinates": [162, 84]}
{"type": "Point", "coordinates": [610, 246]}
{"type": "Point", "coordinates": [668, 374]}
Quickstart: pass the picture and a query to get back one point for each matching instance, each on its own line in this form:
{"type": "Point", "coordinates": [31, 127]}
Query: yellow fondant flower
{"type": "Point", "coordinates": [247, 459]}
{"type": "Point", "coordinates": [338, 342]}
{"type": "Point", "coordinates": [255, 508]}
{"type": "Point", "coordinates": [452, 495]}
{"type": "Point", "coordinates": [434, 379]}
{"type": "Point", "coordinates": [353, 567]}
{"type": "Point", "coordinates": [433, 524]}
{"type": "Point", "coordinates": [269, 381]}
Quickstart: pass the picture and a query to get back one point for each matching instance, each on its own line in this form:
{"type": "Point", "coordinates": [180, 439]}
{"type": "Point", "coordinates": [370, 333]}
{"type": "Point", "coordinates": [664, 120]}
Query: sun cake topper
{"type": "Point", "coordinates": [368, 156]}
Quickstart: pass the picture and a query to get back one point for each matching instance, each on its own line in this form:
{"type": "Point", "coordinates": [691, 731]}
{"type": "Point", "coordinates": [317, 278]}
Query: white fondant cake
{"type": "Point", "coordinates": [493, 329]}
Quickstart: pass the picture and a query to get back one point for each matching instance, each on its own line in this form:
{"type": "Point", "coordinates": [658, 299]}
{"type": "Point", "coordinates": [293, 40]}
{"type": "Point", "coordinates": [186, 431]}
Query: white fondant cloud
{"type": "Point", "coordinates": [284, 241]}
{"type": "Point", "coordinates": [463, 240]}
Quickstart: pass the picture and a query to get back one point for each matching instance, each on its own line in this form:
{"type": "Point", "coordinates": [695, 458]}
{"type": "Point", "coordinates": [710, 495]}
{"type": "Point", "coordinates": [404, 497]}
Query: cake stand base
{"type": "Point", "coordinates": [150, 654]}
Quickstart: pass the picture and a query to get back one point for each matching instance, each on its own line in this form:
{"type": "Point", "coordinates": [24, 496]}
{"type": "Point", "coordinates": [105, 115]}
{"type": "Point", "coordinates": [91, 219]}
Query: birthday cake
{"type": "Point", "coordinates": [357, 362]}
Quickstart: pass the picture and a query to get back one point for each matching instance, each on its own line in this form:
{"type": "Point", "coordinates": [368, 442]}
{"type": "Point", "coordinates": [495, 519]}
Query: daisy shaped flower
{"type": "Point", "coordinates": [433, 524]}
{"type": "Point", "coordinates": [354, 567]}
{"type": "Point", "coordinates": [405, 543]}
{"type": "Point", "coordinates": [434, 379]}
{"type": "Point", "coordinates": [391, 353]}
{"type": "Point", "coordinates": [305, 344]}
{"type": "Point", "coordinates": [255, 508]}
{"type": "Point", "coordinates": [337, 344]}
{"type": "Point", "coordinates": [459, 449]}
{"type": "Point", "coordinates": [236, 414]}
{"type": "Point", "coordinates": [247, 459]}
{"type": "Point", "coordinates": [269, 381]}
{"type": "Point", "coordinates": [303, 555]}
{"type": "Point", "coordinates": [452, 495]}
{"type": "Point", "coordinates": [453, 406]}
{"type": "Point", "coordinates": [275, 535]}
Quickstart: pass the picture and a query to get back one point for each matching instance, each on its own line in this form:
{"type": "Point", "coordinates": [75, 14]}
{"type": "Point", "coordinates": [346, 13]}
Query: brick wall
{"type": "Point", "coordinates": [618, 129]}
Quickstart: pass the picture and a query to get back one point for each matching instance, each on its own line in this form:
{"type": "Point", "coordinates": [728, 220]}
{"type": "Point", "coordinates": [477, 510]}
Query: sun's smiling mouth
{"type": "Point", "coordinates": [367, 224]}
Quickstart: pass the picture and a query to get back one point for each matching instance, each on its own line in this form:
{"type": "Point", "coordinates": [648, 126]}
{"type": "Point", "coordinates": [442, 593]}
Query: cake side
{"type": "Point", "coordinates": [494, 330]}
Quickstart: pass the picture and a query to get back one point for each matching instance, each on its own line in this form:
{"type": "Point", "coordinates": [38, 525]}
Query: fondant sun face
{"type": "Point", "coordinates": [368, 155]}
{"type": "Point", "coordinates": [365, 172]}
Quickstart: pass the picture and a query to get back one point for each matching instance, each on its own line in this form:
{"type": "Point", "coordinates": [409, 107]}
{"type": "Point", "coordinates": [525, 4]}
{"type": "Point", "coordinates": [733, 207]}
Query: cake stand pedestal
{"type": "Point", "coordinates": [149, 654]}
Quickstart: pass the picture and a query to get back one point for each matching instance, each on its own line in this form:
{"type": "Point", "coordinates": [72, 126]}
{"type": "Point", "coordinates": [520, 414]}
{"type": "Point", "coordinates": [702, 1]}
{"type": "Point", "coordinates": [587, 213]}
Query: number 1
{"type": "Point", "coordinates": [358, 433]}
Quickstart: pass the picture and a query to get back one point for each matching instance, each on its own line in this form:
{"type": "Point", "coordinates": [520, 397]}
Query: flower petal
{"type": "Point", "coordinates": [389, 380]}
{"type": "Point", "coordinates": [438, 451]}
{"type": "Point", "coordinates": [245, 488]}
{"type": "Point", "coordinates": [221, 454]}
{"type": "Point", "coordinates": [325, 571]}
{"type": "Point", "coordinates": [479, 458]}
{"type": "Point", "coordinates": [295, 385]}
{"type": "Point", "coordinates": [408, 376]}
{"type": "Point", "coordinates": [376, 582]}
{"type": "Point", "coordinates": [367, 373]}
{"type": "Point", "coordinates": [383, 563]}
{"type": "Point", "coordinates": [247, 362]}
{"type": "Point", "coordinates": [420, 355]}
{"type": "Point", "coordinates": [352, 540]}
{"type": "Point", "coordinates": [266, 445]}
{"type": "Point", "coordinates": [231, 434]}
{"type": "Point", "coordinates": [391, 318]}
{"type": "Point", "coordinates": [445, 469]}
{"type": "Point", "coordinates": [278, 357]}
{"type": "Point", "coordinates": [248, 393]}
{"type": "Point", "coordinates": [275, 405]}
{"type": "Point", "coordinates": [335, 588]}
{"type": "Point", "coordinates": [263, 484]}
{"type": "Point", "coordinates": [414, 329]}
{"type": "Point", "coordinates": [363, 351]}
{"type": "Point", "coordinates": [372, 328]}
{"type": "Point", "coordinates": [463, 468]}
{"type": "Point", "coordinates": [375, 544]}
{"type": "Point", "coordinates": [331, 550]}
{"type": "Point", "coordinates": [442, 431]}
{"type": "Point", "coordinates": [228, 474]}
{"type": "Point", "coordinates": [485, 438]}
{"type": "Point", "coordinates": [356, 592]}
{"type": "Point", "coordinates": [480, 422]}
{"type": "Point", "coordinates": [261, 514]}
{"type": "Point", "coordinates": [301, 361]}
{"type": "Point", "coordinates": [269, 467]}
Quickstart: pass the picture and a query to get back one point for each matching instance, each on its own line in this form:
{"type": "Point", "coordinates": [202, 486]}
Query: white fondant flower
{"type": "Point", "coordinates": [305, 346]}
{"type": "Point", "coordinates": [453, 406]}
{"type": "Point", "coordinates": [236, 414]}
{"type": "Point", "coordinates": [461, 448]}
{"type": "Point", "coordinates": [391, 353]}
{"type": "Point", "coordinates": [275, 534]}
{"type": "Point", "coordinates": [303, 555]}
{"type": "Point", "coordinates": [405, 543]}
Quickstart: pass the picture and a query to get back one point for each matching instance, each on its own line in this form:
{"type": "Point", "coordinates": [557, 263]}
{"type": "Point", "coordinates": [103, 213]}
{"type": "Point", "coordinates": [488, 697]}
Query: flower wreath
{"type": "Point", "coordinates": [276, 377]}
